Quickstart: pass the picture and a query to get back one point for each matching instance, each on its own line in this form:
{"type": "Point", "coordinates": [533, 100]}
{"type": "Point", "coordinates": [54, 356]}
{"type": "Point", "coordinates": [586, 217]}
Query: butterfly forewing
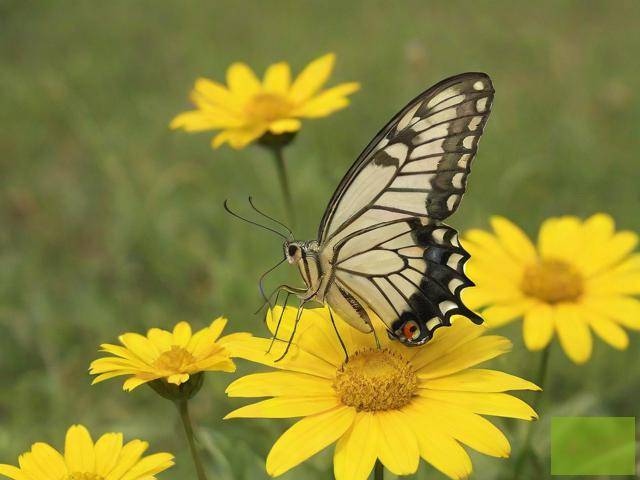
{"type": "Point", "coordinates": [382, 230]}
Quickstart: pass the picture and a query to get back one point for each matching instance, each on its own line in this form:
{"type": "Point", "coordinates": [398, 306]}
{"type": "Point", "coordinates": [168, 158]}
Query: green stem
{"type": "Point", "coordinates": [281, 167]}
{"type": "Point", "coordinates": [183, 408]}
{"type": "Point", "coordinates": [526, 446]}
{"type": "Point", "coordinates": [378, 471]}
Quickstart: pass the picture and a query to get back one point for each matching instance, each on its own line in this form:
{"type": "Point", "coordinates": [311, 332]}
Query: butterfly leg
{"type": "Point", "coordinates": [335, 328]}
{"type": "Point", "coordinates": [293, 332]}
{"type": "Point", "coordinates": [275, 333]}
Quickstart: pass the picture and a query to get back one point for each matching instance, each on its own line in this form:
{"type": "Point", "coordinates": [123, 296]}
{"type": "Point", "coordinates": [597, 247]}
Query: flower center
{"type": "Point", "coordinates": [553, 281]}
{"type": "Point", "coordinates": [83, 476]}
{"type": "Point", "coordinates": [374, 380]}
{"type": "Point", "coordinates": [174, 360]}
{"type": "Point", "coordinates": [268, 107]}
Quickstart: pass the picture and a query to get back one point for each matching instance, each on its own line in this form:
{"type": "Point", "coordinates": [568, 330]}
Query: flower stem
{"type": "Point", "coordinates": [526, 450]}
{"type": "Point", "coordinates": [183, 408]}
{"type": "Point", "coordinates": [378, 471]}
{"type": "Point", "coordinates": [281, 167]}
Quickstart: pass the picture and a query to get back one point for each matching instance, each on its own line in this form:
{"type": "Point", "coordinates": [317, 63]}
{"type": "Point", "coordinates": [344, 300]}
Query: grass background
{"type": "Point", "coordinates": [109, 222]}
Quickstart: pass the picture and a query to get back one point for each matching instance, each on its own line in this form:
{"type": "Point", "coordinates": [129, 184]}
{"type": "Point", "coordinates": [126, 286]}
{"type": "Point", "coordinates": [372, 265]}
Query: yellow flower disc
{"type": "Point", "coordinates": [553, 281]}
{"type": "Point", "coordinates": [374, 380]}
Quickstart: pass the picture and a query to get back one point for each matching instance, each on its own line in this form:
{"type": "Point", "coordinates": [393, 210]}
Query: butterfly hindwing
{"type": "Point", "coordinates": [382, 230]}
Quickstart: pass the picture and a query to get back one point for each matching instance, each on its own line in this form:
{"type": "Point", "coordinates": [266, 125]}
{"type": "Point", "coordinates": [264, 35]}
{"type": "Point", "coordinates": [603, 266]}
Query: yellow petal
{"type": "Point", "coordinates": [573, 333]}
{"type": "Point", "coordinates": [161, 339]}
{"type": "Point", "coordinates": [129, 456]}
{"type": "Point", "coordinates": [609, 331]}
{"type": "Point", "coordinates": [312, 78]}
{"type": "Point", "coordinates": [277, 78]}
{"type": "Point", "coordinates": [297, 360]}
{"type": "Point", "coordinates": [276, 384]}
{"type": "Point", "coordinates": [624, 310]}
{"type": "Point", "coordinates": [217, 326]}
{"type": "Point", "coordinates": [218, 95]}
{"type": "Point", "coordinates": [327, 102]}
{"type": "Point", "coordinates": [486, 249]}
{"type": "Point", "coordinates": [474, 352]}
{"type": "Point", "coordinates": [286, 407]}
{"type": "Point", "coordinates": [108, 448]}
{"type": "Point", "coordinates": [479, 380]}
{"type": "Point", "coordinates": [437, 445]}
{"type": "Point", "coordinates": [178, 378]}
{"type": "Point", "coordinates": [200, 121]}
{"type": "Point", "coordinates": [307, 437]}
{"type": "Point", "coordinates": [397, 443]}
{"type": "Point", "coordinates": [285, 125]}
{"type": "Point", "coordinates": [147, 467]}
{"type": "Point", "coordinates": [499, 315]}
{"type": "Point", "coordinates": [558, 238]}
{"type": "Point", "coordinates": [610, 253]}
{"type": "Point", "coordinates": [31, 468]}
{"type": "Point", "coordinates": [13, 473]}
{"type": "Point", "coordinates": [466, 427]}
{"type": "Point", "coordinates": [181, 334]}
{"type": "Point", "coordinates": [238, 138]}
{"type": "Point", "coordinates": [49, 460]}
{"type": "Point", "coordinates": [538, 326]}
{"type": "Point", "coordinates": [134, 382]}
{"type": "Point", "coordinates": [496, 404]}
{"type": "Point", "coordinates": [356, 451]}
{"type": "Point", "coordinates": [514, 240]}
{"type": "Point", "coordinates": [242, 82]}
{"type": "Point", "coordinates": [140, 346]}
{"type": "Point", "coordinates": [78, 450]}
{"type": "Point", "coordinates": [445, 340]}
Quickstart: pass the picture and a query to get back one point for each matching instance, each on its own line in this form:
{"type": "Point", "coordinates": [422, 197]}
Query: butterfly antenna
{"type": "Point", "coordinates": [226, 207]}
{"type": "Point", "coordinates": [270, 217]}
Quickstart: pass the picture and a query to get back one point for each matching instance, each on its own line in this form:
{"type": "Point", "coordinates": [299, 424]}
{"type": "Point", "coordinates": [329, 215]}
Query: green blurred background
{"type": "Point", "coordinates": [109, 222]}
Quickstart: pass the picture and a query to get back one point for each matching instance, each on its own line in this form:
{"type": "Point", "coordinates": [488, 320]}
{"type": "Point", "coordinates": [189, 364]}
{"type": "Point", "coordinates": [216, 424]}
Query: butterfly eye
{"type": "Point", "coordinates": [293, 250]}
{"type": "Point", "coordinates": [411, 330]}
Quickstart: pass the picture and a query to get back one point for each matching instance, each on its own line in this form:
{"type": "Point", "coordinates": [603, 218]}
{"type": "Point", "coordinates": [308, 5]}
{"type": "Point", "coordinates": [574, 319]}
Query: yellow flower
{"type": "Point", "coordinates": [107, 459]}
{"type": "Point", "coordinates": [580, 277]}
{"type": "Point", "coordinates": [395, 403]}
{"type": "Point", "coordinates": [172, 356]}
{"type": "Point", "coordinates": [249, 108]}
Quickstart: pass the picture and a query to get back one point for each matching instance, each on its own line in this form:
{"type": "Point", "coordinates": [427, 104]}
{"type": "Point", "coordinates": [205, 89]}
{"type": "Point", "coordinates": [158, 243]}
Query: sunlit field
{"type": "Point", "coordinates": [110, 222]}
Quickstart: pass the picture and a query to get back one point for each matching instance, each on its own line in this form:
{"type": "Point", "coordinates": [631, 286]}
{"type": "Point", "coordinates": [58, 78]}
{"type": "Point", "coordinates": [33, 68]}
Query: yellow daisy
{"type": "Point", "coordinates": [106, 459]}
{"type": "Point", "coordinates": [247, 108]}
{"type": "Point", "coordinates": [580, 277]}
{"type": "Point", "coordinates": [171, 356]}
{"type": "Point", "coordinates": [395, 404]}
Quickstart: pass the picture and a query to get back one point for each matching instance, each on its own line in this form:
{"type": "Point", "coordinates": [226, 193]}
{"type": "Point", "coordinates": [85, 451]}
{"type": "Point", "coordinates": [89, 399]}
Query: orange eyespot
{"type": "Point", "coordinates": [411, 330]}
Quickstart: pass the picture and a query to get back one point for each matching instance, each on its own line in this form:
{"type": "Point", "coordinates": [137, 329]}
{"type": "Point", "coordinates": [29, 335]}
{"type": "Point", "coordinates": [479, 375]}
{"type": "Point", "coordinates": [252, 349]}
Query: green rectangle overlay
{"type": "Point", "coordinates": [593, 446]}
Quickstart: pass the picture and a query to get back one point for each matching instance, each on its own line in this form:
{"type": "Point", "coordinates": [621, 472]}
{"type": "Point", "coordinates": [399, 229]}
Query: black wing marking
{"type": "Point", "coordinates": [417, 165]}
{"type": "Point", "coordinates": [411, 276]}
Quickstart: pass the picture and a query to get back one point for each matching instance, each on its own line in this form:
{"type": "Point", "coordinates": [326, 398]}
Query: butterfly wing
{"type": "Point", "coordinates": [382, 232]}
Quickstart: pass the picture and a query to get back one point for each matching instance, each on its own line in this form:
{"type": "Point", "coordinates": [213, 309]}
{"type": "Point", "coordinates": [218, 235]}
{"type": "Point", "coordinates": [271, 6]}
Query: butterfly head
{"type": "Point", "coordinates": [293, 251]}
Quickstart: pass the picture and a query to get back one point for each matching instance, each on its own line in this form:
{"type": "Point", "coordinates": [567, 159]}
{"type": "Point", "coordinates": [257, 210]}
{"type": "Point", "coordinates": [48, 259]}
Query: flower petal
{"type": "Point", "coordinates": [624, 310]}
{"type": "Point", "coordinates": [479, 380]}
{"type": "Point", "coordinates": [312, 78]}
{"type": "Point", "coordinates": [277, 78]}
{"type": "Point", "coordinates": [78, 450]}
{"type": "Point", "coordinates": [108, 449]}
{"type": "Point", "coordinates": [239, 138]}
{"type": "Point", "coordinates": [609, 331]}
{"type": "Point", "coordinates": [514, 240]}
{"type": "Point", "coordinates": [285, 125]}
{"type": "Point", "coordinates": [537, 328]}
{"type": "Point", "coordinates": [276, 384]}
{"type": "Point", "coordinates": [217, 95]}
{"type": "Point", "coordinates": [286, 407]}
{"type": "Point", "coordinates": [242, 82]}
{"type": "Point", "coordinates": [437, 445]}
{"type": "Point", "coordinates": [499, 315]}
{"type": "Point", "coordinates": [140, 346]}
{"type": "Point", "coordinates": [181, 334]}
{"type": "Point", "coordinates": [356, 451]}
{"type": "Point", "coordinates": [328, 101]}
{"type": "Point", "coordinates": [573, 333]}
{"type": "Point", "coordinates": [558, 238]}
{"type": "Point", "coordinates": [496, 404]}
{"type": "Point", "coordinates": [147, 467]}
{"type": "Point", "coordinates": [129, 456]}
{"type": "Point", "coordinates": [200, 121]}
{"type": "Point", "coordinates": [14, 473]}
{"type": "Point", "coordinates": [474, 352]}
{"type": "Point", "coordinates": [307, 437]}
{"type": "Point", "coordinates": [397, 443]}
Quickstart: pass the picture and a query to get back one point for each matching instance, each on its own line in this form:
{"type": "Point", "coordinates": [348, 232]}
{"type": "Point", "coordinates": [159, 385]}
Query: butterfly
{"type": "Point", "coordinates": [382, 246]}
